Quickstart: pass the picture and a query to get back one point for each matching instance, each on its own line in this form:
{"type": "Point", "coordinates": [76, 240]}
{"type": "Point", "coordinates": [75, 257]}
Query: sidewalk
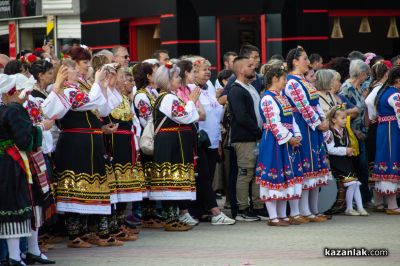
{"type": "Point", "coordinates": [249, 244]}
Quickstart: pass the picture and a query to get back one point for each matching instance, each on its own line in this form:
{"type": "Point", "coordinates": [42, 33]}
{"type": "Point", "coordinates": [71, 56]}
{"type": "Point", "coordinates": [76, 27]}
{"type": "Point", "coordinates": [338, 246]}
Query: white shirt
{"type": "Point", "coordinates": [214, 112]}
{"type": "Point", "coordinates": [256, 100]}
{"type": "Point", "coordinates": [370, 103]}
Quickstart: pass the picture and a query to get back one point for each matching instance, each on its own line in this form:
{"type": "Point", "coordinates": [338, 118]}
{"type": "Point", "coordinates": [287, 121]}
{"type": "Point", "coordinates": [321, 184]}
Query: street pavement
{"type": "Point", "coordinates": [249, 243]}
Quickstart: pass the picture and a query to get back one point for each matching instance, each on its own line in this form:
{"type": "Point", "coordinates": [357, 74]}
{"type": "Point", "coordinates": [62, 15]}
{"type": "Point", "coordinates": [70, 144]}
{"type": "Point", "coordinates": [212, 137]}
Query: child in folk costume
{"type": "Point", "coordinates": [279, 170]}
{"type": "Point", "coordinates": [386, 171]}
{"type": "Point", "coordinates": [341, 161]}
{"type": "Point", "coordinates": [23, 183]}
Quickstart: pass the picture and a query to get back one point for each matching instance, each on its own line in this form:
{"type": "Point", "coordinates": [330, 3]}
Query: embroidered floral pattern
{"type": "Point", "coordinates": [34, 112]}
{"type": "Point", "coordinates": [145, 109]}
{"type": "Point", "coordinates": [178, 109]}
{"type": "Point", "coordinates": [78, 99]}
{"type": "Point", "coordinates": [302, 104]}
{"type": "Point", "coordinates": [271, 121]}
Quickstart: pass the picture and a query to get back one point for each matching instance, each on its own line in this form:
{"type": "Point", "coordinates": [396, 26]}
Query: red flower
{"type": "Point", "coordinates": [143, 109]}
{"type": "Point", "coordinates": [22, 58]}
{"type": "Point", "coordinates": [34, 112]}
{"type": "Point", "coordinates": [31, 58]}
{"type": "Point", "coordinates": [79, 97]}
{"type": "Point", "coordinates": [39, 49]}
{"type": "Point", "coordinates": [65, 56]}
{"type": "Point", "coordinates": [181, 109]}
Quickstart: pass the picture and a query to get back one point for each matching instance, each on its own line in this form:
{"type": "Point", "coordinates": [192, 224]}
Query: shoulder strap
{"type": "Point", "coordinates": [160, 125]}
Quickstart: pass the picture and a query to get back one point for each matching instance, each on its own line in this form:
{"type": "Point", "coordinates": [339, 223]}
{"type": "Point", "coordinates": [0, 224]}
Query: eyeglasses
{"type": "Point", "coordinates": [125, 56]}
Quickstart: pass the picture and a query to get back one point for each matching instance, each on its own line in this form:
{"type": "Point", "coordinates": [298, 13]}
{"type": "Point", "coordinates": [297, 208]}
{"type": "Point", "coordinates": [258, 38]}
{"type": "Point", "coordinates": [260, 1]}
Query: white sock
{"type": "Point", "coordinates": [294, 207]}
{"type": "Point", "coordinates": [391, 201]}
{"type": "Point", "coordinates": [13, 249]}
{"type": "Point", "coordinates": [271, 207]}
{"type": "Point", "coordinates": [313, 200]}
{"type": "Point", "coordinates": [281, 206]}
{"type": "Point", "coordinates": [304, 205]}
{"type": "Point", "coordinates": [33, 246]}
{"type": "Point", "coordinates": [378, 198]}
{"type": "Point", "coordinates": [349, 196]}
{"type": "Point", "coordinates": [357, 198]}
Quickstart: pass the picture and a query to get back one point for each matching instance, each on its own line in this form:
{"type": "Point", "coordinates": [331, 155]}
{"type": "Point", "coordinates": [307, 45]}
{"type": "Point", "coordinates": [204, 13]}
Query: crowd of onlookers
{"type": "Point", "coordinates": [84, 135]}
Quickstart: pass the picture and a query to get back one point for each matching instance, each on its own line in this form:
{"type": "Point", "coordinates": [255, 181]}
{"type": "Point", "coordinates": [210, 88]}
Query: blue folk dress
{"type": "Point", "coordinates": [279, 170]}
{"type": "Point", "coordinates": [308, 114]}
{"type": "Point", "coordinates": [386, 171]}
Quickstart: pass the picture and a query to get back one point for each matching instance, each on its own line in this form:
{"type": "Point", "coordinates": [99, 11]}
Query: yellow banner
{"type": "Point", "coordinates": [50, 25]}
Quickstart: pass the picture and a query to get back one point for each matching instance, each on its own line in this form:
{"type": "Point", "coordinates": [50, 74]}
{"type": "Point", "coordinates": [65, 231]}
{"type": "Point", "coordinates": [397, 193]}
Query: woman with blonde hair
{"type": "Point", "coordinates": [173, 177]}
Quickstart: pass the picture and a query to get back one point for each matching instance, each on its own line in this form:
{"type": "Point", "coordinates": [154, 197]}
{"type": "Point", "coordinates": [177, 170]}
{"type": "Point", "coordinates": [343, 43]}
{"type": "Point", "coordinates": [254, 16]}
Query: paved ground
{"type": "Point", "coordinates": [249, 244]}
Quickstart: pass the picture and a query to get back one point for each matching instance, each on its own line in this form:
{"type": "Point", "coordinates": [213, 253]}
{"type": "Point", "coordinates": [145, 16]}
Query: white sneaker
{"type": "Point", "coordinates": [222, 219]}
{"type": "Point", "coordinates": [363, 212]}
{"type": "Point", "coordinates": [188, 219]}
{"type": "Point", "coordinates": [352, 212]}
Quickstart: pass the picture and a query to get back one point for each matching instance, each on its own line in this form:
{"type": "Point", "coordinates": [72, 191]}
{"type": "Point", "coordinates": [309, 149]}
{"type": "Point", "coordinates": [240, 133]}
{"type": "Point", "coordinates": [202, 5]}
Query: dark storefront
{"type": "Point", "coordinates": [212, 27]}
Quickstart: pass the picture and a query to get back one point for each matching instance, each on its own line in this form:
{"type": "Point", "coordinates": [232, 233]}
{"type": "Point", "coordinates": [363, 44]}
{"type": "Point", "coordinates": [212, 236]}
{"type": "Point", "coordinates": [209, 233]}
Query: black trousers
{"type": "Point", "coordinates": [205, 199]}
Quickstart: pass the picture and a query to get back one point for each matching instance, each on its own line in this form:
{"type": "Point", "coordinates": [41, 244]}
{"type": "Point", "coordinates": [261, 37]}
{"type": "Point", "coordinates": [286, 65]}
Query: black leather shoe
{"type": "Point", "coordinates": [4, 263]}
{"type": "Point", "coordinates": [31, 259]}
{"type": "Point", "coordinates": [12, 262]}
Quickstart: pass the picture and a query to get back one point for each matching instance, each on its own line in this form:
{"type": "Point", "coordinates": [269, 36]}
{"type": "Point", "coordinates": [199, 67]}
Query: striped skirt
{"type": "Point", "coordinates": [15, 229]}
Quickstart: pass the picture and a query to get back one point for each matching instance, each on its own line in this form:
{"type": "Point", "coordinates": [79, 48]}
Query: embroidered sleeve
{"type": "Point", "coordinates": [394, 102]}
{"type": "Point", "coordinates": [143, 105]}
{"type": "Point", "coordinates": [178, 111]}
{"type": "Point", "coordinates": [113, 99]}
{"type": "Point", "coordinates": [295, 92]}
{"type": "Point", "coordinates": [296, 129]}
{"type": "Point", "coordinates": [33, 108]}
{"type": "Point", "coordinates": [330, 145]}
{"type": "Point", "coordinates": [56, 105]}
{"type": "Point", "coordinates": [273, 123]}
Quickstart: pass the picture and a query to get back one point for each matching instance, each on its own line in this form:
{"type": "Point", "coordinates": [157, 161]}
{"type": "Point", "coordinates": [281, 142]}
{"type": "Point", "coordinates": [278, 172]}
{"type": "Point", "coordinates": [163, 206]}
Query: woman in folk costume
{"type": "Point", "coordinates": [386, 171]}
{"type": "Point", "coordinates": [82, 184]}
{"type": "Point", "coordinates": [127, 178]}
{"type": "Point", "coordinates": [173, 177]}
{"type": "Point", "coordinates": [20, 214]}
{"type": "Point", "coordinates": [143, 103]}
{"type": "Point", "coordinates": [311, 121]}
{"type": "Point", "coordinates": [279, 169]}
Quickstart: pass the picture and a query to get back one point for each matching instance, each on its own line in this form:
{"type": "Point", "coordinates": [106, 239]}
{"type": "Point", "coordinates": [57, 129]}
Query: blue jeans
{"type": "Point", "coordinates": [23, 245]}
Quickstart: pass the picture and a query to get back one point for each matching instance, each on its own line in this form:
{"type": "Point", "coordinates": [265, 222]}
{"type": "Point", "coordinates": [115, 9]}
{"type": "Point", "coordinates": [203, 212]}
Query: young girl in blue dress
{"type": "Point", "coordinates": [279, 170]}
{"type": "Point", "coordinates": [386, 171]}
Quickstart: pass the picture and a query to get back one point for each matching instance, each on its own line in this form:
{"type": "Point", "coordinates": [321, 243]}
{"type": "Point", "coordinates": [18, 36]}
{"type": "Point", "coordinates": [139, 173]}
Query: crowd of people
{"type": "Point", "coordinates": [93, 145]}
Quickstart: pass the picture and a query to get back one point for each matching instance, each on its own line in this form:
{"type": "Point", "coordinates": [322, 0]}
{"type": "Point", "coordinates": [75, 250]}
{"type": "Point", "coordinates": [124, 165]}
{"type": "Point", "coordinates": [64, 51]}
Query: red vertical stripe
{"type": "Point", "coordinates": [218, 42]}
{"type": "Point", "coordinates": [12, 40]}
{"type": "Point", "coordinates": [263, 39]}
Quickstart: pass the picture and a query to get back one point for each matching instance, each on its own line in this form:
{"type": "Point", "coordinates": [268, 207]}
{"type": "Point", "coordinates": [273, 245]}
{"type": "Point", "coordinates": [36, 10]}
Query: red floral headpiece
{"type": "Point", "coordinates": [39, 49]}
{"type": "Point", "coordinates": [31, 58]}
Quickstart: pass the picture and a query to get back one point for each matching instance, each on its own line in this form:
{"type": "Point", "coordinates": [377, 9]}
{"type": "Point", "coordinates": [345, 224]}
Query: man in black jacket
{"type": "Point", "coordinates": [246, 126]}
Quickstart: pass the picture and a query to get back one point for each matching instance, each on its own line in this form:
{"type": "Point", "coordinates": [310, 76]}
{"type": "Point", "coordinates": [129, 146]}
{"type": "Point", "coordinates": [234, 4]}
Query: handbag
{"type": "Point", "coordinates": [146, 142]}
{"type": "Point", "coordinates": [147, 139]}
{"type": "Point", "coordinates": [203, 141]}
